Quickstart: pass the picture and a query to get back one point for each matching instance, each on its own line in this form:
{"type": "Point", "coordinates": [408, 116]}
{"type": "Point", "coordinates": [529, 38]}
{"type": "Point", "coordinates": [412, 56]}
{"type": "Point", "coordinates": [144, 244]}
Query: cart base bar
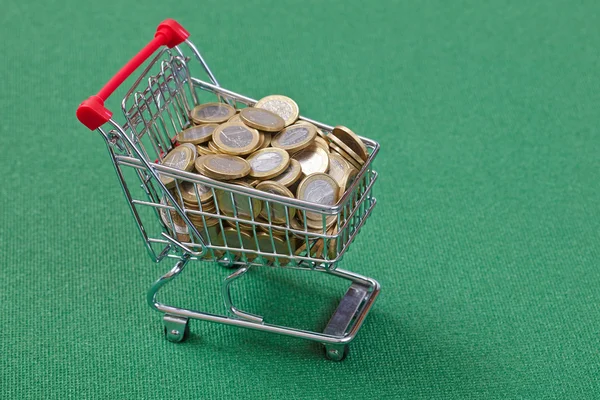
{"type": "Point", "coordinates": [339, 332]}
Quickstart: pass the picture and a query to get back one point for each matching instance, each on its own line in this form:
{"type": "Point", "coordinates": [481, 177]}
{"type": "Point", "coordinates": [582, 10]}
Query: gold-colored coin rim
{"type": "Point", "coordinates": [273, 172]}
{"type": "Point", "coordinates": [314, 149]}
{"type": "Point", "coordinates": [230, 113]}
{"type": "Point", "coordinates": [352, 140]}
{"type": "Point", "coordinates": [203, 151]}
{"type": "Point", "coordinates": [213, 148]}
{"type": "Point", "coordinates": [245, 118]}
{"type": "Point", "coordinates": [295, 109]}
{"type": "Point", "coordinates": [312, 132]}
{"type": "Point", "coordinates": [266, 140]}
{"type": "Point", "coordinates": [235, 151]}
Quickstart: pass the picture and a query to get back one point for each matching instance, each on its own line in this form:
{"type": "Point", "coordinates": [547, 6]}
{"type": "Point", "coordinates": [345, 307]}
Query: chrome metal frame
{"type": "Point", "coordinates": [156, 108]}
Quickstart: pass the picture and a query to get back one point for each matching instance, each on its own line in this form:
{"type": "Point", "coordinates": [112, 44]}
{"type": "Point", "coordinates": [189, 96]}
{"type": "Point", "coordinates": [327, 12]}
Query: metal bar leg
{"type": "Point", "coordinates": [163, 280]}
{"type": "Point", "coordinates": [227, 297]}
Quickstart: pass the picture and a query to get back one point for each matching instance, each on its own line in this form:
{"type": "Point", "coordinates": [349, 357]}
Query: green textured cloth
{"type": "Point", "coordinates": [485, 237]}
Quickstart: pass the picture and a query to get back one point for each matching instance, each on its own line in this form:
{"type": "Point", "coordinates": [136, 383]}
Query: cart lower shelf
{"type": "Point", "coordinates": [343, 325]}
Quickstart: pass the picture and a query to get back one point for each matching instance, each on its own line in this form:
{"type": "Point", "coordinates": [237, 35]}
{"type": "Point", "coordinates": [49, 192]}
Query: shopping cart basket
{"type": "Point", "coordinates": [156, 108]}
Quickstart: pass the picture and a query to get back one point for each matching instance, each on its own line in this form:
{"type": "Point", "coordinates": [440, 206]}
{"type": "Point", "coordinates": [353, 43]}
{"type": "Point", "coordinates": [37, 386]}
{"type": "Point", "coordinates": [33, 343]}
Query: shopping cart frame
{"type": "Point", "coordinates": [125, 146]}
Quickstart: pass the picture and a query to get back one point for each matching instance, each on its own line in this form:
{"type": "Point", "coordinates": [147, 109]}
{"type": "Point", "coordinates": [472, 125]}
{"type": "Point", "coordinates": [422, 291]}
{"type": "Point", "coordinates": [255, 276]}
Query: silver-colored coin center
{"type": "Point", "coordinates": [294, 136]}
{"type": "Point", "coordinates": [198, 132]}
{"type": "Point", "coordinates": [213, 112]}
{"type": "Point", "coordinates": [262, 118]}
{"type": "Point", "coordinates": [320, 192]}
{"type": "Point", "coordinates": [177, 160]}
{"type": "Point", "coordinates": [225, 165]}
{"type": "Point", "coordinates": [266, 162]}
{"type": "Point", "coordinates": [283, 109]}
{"type": "Point", "coordinates": [236, 136]}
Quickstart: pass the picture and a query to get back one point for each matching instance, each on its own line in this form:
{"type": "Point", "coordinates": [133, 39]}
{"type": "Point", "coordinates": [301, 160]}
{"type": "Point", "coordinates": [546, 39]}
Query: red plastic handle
{"type": "Point", "coordinates": [91, 112]}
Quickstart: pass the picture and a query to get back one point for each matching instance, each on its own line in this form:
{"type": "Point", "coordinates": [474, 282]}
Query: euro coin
{"type": "Point", "coordinates": [192, 148]}
{"type": "Point", "coordinates": [196, 134]}
{"type": "Point", "coordinates": [347, 150]}
{"type": "Point", "coordinates": [189, 190]}
{"type": "Point", "coordinates": [212, 113]}
{"type": "Point", "coordinates": [223, 166]}
{"type": "Point", "coordinates": [294, 137]}
{"type": "Point", "coordinates": [312, 159]}
{"type": "Point", "coordinates": [319, 189]}
{"type": "Point", "coordinates": [235, 138]}
{"type": "Point", "coordinates": [271, 210]}
{"type": "Point", "coordinates": [351, 140]}
{"type": "Point", "coordinates": [283, 106]}
{"type": "Point", "coordinates": [261, 119]}
{"type": "Point", "coordinates": [290, 175]}
{"type": "Point", "coordinates": [182, 158]}
{"type": "Point", "coordinates": [267, 163]}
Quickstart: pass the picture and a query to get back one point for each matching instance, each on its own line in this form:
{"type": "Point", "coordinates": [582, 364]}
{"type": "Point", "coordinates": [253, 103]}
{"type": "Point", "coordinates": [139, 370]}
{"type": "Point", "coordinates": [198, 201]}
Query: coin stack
{"type": "Point", "coordinates": [265, 147]}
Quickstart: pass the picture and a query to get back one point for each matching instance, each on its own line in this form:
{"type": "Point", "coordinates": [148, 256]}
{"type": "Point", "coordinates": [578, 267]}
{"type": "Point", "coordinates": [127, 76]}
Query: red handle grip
{"type": "Point", "coordinates": [91, 112]}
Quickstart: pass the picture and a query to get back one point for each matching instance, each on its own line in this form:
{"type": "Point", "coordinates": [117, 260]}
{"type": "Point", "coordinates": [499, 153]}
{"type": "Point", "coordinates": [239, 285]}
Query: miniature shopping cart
{"type": "Point", "coordinates": [156, 108]}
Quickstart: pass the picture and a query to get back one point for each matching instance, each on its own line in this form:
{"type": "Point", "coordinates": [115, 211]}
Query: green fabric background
{"type": "Point", "coordinates": [485, 238]}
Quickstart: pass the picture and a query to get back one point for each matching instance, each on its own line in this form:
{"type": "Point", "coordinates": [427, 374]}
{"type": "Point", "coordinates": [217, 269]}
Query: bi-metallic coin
{"type": "Point", "coordinates": [261, 119]}
{"type": "Point", "coordinates": [212, 113]}
{"type": "Point", "coordinates": [236, 138]}
{"type": "Point", "coordinates": [267, 163]}
{"type": "Point", "coordinates": [283, 106]}
{"type": "Point", "coordinates": [294, 137]}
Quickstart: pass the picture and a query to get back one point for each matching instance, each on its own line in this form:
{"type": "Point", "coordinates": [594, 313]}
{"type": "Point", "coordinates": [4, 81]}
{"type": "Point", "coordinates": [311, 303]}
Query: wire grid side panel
{"type": "Point", "coordinates": [157, 106]}
{"type": "Point", "coordinates": [242, 229]}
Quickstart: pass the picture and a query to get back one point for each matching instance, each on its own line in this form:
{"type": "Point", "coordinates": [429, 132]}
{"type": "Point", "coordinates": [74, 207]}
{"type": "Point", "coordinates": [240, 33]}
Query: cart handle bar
{"type": "Point", "coordinates": [91, 112]}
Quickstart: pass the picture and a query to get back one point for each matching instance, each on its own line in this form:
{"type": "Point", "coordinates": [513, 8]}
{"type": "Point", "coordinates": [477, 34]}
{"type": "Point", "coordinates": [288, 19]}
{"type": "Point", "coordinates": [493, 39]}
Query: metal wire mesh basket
{"type": "Point", "coordinates": [175, 223]}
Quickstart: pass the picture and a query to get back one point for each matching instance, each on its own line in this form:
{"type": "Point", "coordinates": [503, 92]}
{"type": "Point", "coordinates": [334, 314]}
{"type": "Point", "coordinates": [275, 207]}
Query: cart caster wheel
{"type": "Point", "coordinates": [177, 329]}
{"type": "Point", "coordinates": [336, 353]}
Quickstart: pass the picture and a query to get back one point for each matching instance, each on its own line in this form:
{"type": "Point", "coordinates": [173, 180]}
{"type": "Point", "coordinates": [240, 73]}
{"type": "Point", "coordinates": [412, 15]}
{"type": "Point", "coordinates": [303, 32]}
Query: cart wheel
{"type": "Point", "coordinates": [177, 329]}
{"type": "Point", "coordinates": [336, 353]}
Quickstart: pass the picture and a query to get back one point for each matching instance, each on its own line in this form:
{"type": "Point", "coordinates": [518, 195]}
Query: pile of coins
{"type": "Point", "coordinates": [265, 147]}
